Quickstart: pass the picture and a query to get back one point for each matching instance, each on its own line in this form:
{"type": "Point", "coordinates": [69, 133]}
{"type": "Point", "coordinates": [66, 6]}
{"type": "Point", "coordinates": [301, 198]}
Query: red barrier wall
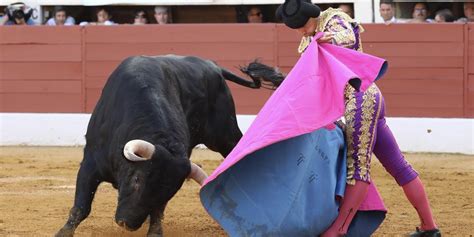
{"type": "Point", "coordinates": [41, 69]}
{"type": "Point", "coordinates": [63, 69]}
{"type": "Point", "coordinates": [426, 73]}
{"type": "Point", "coordinates": [469, 71]}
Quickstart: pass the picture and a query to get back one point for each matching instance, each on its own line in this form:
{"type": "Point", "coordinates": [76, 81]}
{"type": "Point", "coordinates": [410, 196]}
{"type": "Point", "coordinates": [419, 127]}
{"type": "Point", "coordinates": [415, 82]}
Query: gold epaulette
{"type": "Point", "coordinates": [305, 41]}
{"type": "Point", "coordinates": [323, 21]}
{"type": "Point", "coordinates": [328, 14]}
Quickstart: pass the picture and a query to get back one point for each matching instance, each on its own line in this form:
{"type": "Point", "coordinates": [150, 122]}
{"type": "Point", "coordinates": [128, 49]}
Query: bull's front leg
{"type": "Point", "coordinates": [156, 217]}
{"type": "Point", "coordinates": [86, 186]}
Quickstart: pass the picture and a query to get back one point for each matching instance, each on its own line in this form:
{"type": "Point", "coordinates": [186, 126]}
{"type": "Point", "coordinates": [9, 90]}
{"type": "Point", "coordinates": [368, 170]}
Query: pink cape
{"type": "Point", "coordinates": [311, 97]}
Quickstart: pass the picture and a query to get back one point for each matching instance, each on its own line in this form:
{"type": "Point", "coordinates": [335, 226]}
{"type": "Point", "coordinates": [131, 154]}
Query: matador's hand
{"type": "Point", "coordinates": [326, 38]}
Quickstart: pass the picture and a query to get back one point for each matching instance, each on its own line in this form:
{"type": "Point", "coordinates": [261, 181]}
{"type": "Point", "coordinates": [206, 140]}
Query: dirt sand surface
{"type": "Point", "coordinates": [37, 189]}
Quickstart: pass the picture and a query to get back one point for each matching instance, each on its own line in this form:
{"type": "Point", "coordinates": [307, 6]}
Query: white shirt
{"type": "Point", "coordinates": [107, 23]}
{"type": "Point", "coordinates": [69, 21]}
{"type": "Point", "coordinates": [394, 20]}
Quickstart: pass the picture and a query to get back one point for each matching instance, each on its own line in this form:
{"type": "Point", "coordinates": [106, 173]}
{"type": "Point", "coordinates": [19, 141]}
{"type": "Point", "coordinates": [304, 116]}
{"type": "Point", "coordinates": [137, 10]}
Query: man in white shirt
{"type": "Point", "coordinates": [420, 13]}
{"type": "Point", "coordinates": [468, 13]}
{"type": "Point", "coordinates": [60, 18]}
{"type": "Point", "coordinates": [387, 12]}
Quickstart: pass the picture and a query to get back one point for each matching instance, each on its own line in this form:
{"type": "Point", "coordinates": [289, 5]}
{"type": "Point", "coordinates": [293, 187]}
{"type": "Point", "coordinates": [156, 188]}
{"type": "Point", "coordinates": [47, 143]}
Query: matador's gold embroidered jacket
{"type": "Point", "coordinates": [346, 30]}
{"type": "Point", "coordinates": [360, 114]}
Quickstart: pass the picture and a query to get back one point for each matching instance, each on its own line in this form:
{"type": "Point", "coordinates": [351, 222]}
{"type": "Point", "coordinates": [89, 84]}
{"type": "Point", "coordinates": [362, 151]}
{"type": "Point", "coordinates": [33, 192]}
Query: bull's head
{"type": "Point", "coordinates": [150, 182]}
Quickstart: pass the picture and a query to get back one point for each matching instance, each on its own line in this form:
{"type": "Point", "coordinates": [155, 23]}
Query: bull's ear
{"type": "Point", "coordinates": [177, 165]}
{"type": "Point", "coordinates": [161, 153]}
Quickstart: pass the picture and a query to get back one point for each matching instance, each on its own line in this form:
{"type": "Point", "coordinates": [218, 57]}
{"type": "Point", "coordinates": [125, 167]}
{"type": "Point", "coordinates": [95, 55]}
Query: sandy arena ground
{"type": "Point", "coordinates": [37, 191]}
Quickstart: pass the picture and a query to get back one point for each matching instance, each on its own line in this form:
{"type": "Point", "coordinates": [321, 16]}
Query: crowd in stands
{"type": "Point", "coordinates": [421, 12]}
{"type": "Point", "coordinates": [15, 14]}
{"type": "Point", "coordinates": [20, 14]}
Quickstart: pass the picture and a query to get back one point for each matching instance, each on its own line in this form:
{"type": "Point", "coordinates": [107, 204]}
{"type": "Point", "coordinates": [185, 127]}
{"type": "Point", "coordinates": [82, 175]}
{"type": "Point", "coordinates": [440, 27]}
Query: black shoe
{"type": "Point", "coordinates": [425, 233]}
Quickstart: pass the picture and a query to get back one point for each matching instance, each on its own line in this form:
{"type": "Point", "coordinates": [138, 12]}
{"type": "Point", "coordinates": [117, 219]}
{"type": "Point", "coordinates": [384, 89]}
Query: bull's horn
{"type": "Point", "coordinates": [138, 150]}
{"type": "Point", "coordinates": [197, 174]}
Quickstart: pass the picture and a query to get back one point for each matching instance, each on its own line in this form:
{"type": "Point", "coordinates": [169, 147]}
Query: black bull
{"type": "Point", "coordinates": [171, 102]}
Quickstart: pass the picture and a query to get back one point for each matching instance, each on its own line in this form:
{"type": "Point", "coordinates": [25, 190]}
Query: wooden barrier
{"type": "Point", "coordinates": [425, 78]}
{"type": "Point", "coordinates": [63, 69]}
{"type": "Point", "coordinates": [469, 71]}
{"type": "Point", "coordinates": [228, 44]}
{"type": "Point", "coordinates": [40, 69]}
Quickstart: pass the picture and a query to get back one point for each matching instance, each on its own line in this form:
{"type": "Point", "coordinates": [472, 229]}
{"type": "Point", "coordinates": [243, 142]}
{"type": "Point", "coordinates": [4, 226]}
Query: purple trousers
{"type": "Point", "coordinates": [367, 132]}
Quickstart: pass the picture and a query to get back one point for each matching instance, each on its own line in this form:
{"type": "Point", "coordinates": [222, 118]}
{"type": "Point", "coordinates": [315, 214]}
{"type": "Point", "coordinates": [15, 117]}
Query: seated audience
{"type": "Point", "coordinates": [162, 15]}
{"type": "Point", "coordinates": [420, 13]}
{"type": "Point", "coordinates": [3, 19]}
{"type": "Point", "coordinates": [60, 18]}
{"type": "Point", "coordinates": [468, 13]}
{"type": "Point", "coordinates": [387, 12]}
{"type": "Point", "coordinates": [444, 15]}
{"type": "Point", "coordinates": [140, 17]}
{"type": "Point", "coordinates": [17, 14]}
{"type": "Point", "coordinates": [103, 18]}
{"type": "Point", "coordinates": [254, 15]}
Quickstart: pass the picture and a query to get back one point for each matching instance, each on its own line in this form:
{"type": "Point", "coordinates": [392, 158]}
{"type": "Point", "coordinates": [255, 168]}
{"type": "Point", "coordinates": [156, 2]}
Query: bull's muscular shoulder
{"type": "Point", "coordinates": [138, 66]}
{"type": "Point", "coordinates": [136, 62]}
{"type": "Point", "coordinates": [191, 59]}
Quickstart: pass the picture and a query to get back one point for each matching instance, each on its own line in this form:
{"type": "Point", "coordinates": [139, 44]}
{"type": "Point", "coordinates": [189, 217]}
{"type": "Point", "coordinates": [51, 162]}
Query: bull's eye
{"type": "Point", "coordinates": [135, 183]}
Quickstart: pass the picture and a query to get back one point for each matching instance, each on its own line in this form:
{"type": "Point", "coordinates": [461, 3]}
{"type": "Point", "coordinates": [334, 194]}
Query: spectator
{"type": "Point", "coordinates": [387, 12]}
{"type": "Point", "coordinates": [60, 18]}
{"type": "Point", "coordinates": [468, 13]}
{"type": "Point", "coordinates": [17, 14]}
{"type": "Point", "coordinates": [420, 13]}
{"type": "Point", "coordinates": [3, 19]}
{"type": "Point", "coordinates": [444, 15]}
{"type": "Point", "coordinates": [103, 18]}
{"type": "Point", "coordinates": [255, 15]}
{"type": "Point", "coordinates": [347, 8]}
{"type": "Point", "coordinates": [140, 17]}
{"type": "Point", "coordinates": [162, 15]}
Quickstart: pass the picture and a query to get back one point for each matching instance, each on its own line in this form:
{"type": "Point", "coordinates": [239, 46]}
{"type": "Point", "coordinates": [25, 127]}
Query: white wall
{"type": "Point", "coordinates": [363, 11]}
{"type": "Point", "coordinates": [43, 129]}
{"type": "Point", "coordinates": [413, 134]}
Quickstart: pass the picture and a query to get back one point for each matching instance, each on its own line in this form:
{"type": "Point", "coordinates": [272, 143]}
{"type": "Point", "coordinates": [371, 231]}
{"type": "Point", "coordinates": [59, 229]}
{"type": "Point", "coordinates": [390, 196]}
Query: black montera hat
{"type": "Point", "coordinates": [295, 13]}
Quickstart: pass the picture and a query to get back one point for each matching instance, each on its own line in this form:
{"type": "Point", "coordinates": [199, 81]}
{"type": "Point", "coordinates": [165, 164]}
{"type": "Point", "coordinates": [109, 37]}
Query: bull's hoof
{"type": "Point", "coordinates": [154, 235]}
{"type": "Point", "coordinates": [155, 232]}
{"type": "Point", "coordinates": [65, 232]}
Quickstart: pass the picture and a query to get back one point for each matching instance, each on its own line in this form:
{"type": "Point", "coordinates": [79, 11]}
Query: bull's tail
{"type": "Point", "coordinates": [255, 83]}
{"type": "Point", "coordinates": [260, 74]}
{"type": "Point", "coordinates": [268, 76]}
